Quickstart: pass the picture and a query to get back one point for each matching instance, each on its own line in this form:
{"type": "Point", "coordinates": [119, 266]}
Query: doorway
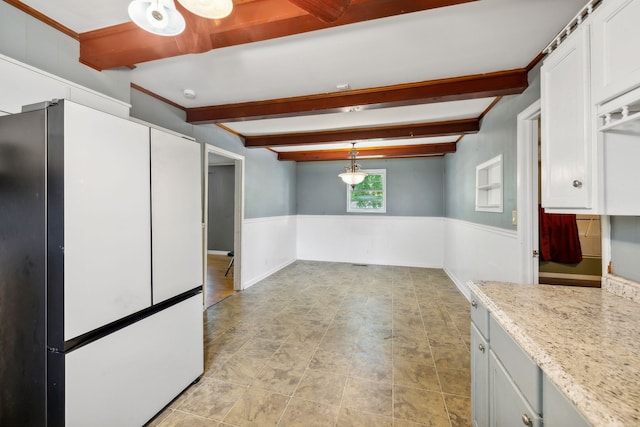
{"type": "Point", "coordinates": [533, 269]}
{"type": "Point", "coordinates": [223, 214]}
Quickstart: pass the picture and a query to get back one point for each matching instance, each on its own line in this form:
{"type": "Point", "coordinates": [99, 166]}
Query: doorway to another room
{"type": "Point", "coordinates": [223, 223]}
{"type": "Point", "coordinates": [571, 255]}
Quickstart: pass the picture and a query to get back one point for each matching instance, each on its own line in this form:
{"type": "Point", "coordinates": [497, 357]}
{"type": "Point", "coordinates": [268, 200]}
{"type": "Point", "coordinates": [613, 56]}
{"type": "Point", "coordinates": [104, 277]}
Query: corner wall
{"type": "Point", "coordinates": [484, 245]}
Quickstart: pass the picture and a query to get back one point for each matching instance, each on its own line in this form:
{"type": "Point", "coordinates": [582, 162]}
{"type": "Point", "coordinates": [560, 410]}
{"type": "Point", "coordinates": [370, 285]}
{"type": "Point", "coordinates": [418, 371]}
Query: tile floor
{"type": "Point", "coordinates": [332, 344]}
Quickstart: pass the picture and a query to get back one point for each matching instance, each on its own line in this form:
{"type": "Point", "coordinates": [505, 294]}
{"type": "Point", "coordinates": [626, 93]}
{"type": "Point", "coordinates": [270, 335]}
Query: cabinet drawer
{"type": "Point", "coordinates": [479, 316]}
{"type": "Point", "coordinates": [519, 365]}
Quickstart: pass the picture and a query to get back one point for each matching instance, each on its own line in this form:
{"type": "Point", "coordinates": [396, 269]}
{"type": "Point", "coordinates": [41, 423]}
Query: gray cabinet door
{"type": "Point", "coordinates": [479, 379]}
{"type": "Point", "coordinates": [508, 407]}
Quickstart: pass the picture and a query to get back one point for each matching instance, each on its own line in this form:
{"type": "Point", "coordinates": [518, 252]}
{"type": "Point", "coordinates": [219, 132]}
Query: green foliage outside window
{"type": "Point", "coordinates": [369, 194]}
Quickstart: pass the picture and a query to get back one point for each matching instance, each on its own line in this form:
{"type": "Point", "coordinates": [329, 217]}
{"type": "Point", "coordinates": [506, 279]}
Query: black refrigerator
{"type": "Point", "coordinates": [56, 370]}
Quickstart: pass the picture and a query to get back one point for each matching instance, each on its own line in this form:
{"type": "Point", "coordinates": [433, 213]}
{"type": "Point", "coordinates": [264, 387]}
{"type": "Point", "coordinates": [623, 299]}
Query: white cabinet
{"type": "Point", "coordinates": [176, 215]}
{"type": "Point", "coordinates": [615, 39]}
{"type": "Point", "coordinates": [569, 153]}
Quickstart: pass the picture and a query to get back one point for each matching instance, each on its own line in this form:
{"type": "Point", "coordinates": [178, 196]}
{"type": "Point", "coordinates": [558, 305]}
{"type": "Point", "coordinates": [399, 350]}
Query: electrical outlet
{"type": "Point", "coordinates": [514, 217]}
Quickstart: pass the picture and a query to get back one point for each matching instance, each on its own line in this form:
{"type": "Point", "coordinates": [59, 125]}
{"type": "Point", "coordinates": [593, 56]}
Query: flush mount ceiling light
{"type": "Point", "coordinates": [212, 9]}
{"type": "Point", "coordinates": [353, 175]}
{"type": "Point", "coordinates": [157, 16]}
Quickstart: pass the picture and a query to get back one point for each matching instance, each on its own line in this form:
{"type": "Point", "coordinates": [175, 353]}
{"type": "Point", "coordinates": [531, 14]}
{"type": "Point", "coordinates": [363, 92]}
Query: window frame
{"type": "Point", "coordinates": [383, 209]}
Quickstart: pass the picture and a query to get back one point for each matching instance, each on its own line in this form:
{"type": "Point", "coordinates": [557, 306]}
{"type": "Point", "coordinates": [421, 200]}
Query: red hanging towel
{"type": "Point", "coordinates": [559, 238]}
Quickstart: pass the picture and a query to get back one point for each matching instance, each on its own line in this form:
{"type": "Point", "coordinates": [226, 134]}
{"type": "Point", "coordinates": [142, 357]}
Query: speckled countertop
{"type": "Point", "coordinates": [586, 340]}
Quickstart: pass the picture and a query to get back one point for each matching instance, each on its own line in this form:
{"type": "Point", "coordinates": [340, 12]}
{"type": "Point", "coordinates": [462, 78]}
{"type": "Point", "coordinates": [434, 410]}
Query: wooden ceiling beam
{"type": "Point", "coordinates": [324, 10]}
{"type": "Point", "coordinates": [455, 127]}
{"type": "Point", "coordinates": [499, 83]}
{"type": "Point", "coordinates": [422, 150]}
{"type": "Point", "coordinates": [125, 45]}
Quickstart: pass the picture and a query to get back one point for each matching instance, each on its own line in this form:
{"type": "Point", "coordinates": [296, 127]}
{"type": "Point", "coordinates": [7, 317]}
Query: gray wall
{"type": "Point", "coordinates": [270, 185]}
{"type": "Point", "coordinates": [221, 208]}
{"type": "Point", "coordinates": [498, 135]}
{"type": "Point", "coordinates": [625, 246]}
{"type": "Point", "coordinates": [414, 187]}
{"type": "Point", "coordinates": [32, 42]}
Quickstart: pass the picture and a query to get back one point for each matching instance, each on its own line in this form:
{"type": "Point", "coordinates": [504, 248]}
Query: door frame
{"type": "Point", "coordinates": [527, 188]}
{"type": "Point", "coordinates": [238, 212]}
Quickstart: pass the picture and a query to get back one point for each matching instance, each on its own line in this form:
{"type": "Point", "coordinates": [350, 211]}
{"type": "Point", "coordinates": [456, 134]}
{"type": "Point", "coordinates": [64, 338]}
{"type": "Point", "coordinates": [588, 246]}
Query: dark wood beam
{"type": "Point", "coordinates": [456, 127]}
{"type": "Point", "coordinates": [499, 83]}
{"type": "Point", "coordinates": [126, 44]}
{"type": "Point", "coordinates": [324, 10]}
{"type": "Point", "coordinates": [422, 150]}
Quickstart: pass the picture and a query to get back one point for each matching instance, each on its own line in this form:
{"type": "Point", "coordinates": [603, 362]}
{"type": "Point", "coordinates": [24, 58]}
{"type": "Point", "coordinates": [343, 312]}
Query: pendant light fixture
{"type": "Point", "coordinates": [157, 16]}
{"type": "Point", "coordinates": [353, 175]}
{"type": "Point", "coordinates": [212, 9]}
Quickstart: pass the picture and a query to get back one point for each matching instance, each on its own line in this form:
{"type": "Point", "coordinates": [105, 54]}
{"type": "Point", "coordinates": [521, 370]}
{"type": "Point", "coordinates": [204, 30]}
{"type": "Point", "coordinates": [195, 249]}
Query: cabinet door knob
{"type": "Point", "coordinates": [526, 420]}
{"type": "Point", "coordinates": [481, 347]}
{"type": "Point", "coordinates": [577, 183]}
{"type": "Point", "coordinates": [474, 304]}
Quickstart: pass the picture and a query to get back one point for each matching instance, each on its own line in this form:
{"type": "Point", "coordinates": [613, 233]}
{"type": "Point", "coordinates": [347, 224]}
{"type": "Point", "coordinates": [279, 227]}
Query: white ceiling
{"type": "Point", "coordinates": [472, 38]}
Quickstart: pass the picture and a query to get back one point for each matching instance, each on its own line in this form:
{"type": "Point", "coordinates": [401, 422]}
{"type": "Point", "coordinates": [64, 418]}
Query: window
{"type": "Point", "coordinates": [370, 194]}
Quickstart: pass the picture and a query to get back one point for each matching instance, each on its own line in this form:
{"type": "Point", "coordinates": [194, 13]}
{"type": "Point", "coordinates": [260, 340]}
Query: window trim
{"type": "Point", "coordinates": [383, 209]}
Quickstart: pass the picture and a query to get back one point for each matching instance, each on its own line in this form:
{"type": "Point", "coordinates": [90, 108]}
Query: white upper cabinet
{"type": "Point", "coordinates": [176, 215]}
{"type": "Point", "coordinates": [569, 154]}
{"type": "Point", "coordinates": [615, 58]}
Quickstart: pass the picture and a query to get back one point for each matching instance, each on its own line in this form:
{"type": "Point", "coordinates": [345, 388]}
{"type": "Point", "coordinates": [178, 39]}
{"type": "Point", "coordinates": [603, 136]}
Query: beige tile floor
{"type": "Point", "coordinates": [332, 344]}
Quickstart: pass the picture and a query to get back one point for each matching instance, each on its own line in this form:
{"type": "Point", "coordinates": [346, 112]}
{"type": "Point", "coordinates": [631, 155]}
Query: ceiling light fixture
{"type": "Point", "coordinates": [212, 9]}
{"type": "Point", "coordinates": [353, 175]}
{"type": "Point", "coordinates": [157, 16]}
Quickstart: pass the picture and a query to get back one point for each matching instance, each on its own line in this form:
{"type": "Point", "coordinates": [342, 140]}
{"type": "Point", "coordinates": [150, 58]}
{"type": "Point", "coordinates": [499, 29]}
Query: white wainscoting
{"type": "Point", "coordinates": [269, 244]}
{"type": "Point", "coordinates": [366, 239]}
{"type": "Point", "coordinates": [480, 252]}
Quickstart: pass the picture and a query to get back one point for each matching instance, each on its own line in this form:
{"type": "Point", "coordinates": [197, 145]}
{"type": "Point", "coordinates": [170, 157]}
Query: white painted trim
{"type": "Point", "coordinates": [267, 219]}
{"type": "Point", "coordinates": [527, 190]}
{"type": "Point", "coordinates": [267, 273]}
{"type": "Point", "coordinates": [238, 237]}
{"type": "Point", "coordinates": [512, 234]}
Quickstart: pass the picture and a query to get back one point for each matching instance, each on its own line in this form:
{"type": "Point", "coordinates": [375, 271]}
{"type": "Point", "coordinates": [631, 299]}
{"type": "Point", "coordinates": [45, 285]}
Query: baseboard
{"type": "Point", "coordinates": [214, 252]}
{"type": "Point", "coordinates": [266, 274]}
{"type": "Point", "coordinates": [462, 287]}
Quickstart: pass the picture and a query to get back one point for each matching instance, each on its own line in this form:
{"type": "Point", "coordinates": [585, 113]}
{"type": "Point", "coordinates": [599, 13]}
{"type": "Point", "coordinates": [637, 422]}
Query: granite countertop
{"type": "Point", "coordinates": [586, 340]}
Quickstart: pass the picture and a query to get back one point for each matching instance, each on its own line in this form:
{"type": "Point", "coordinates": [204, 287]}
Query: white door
{"type": "Point", "coordinates": [176, 211]}
{"type": "Point", "coordinates": [107, 260]}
